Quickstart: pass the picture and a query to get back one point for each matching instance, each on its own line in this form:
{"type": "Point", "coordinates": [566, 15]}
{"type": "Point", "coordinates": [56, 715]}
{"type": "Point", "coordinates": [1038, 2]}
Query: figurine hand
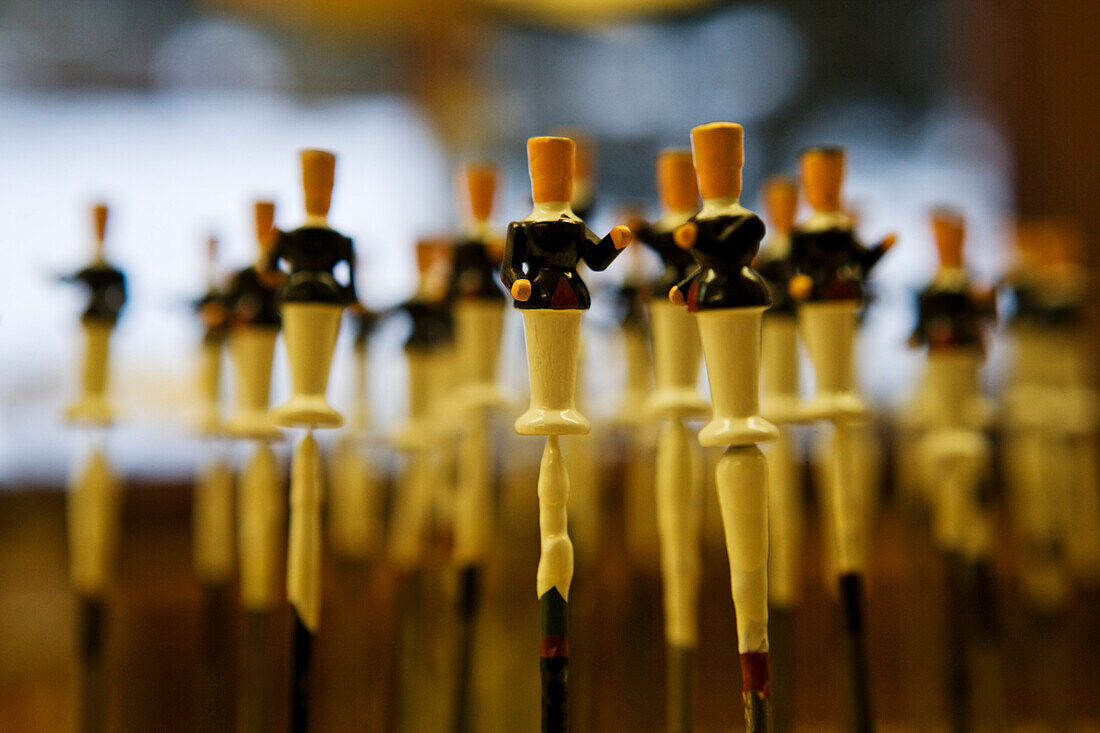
{"type": "Point", "coordinates": [521, 289]}
{"type": "Point", "coordinates": [676, 296]}
{"type": "Point", "coordinates": [888, 241]}
{"type": "Point", "coordinates": [685, 235]}
{"type": "Point", "coordinates": [621, 236]}
{"type": "Point", "coordinates": [799, 286]}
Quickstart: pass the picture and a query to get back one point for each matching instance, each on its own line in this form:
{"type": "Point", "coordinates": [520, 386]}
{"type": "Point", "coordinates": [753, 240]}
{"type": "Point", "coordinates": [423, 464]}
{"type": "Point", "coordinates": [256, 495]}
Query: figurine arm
{"type": "Point", "coordinates": [869, 257]}
{"type": "Point", "coordinates": [677, 294]}
{"type": "Point", "coordinates": [599, 253]}
{"type": "Point", "coordinates": [348, 256]}
{"type": "Point", "coordinates": [515, 255]}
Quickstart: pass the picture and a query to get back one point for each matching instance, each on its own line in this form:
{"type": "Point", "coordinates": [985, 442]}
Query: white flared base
{"type": "Point", "coordinates": [835, 406]}
{"type": "Point", "coordinates": [92, 409]}
{"type": "Point", "coordinates": [737, 431]}
{"type": "Point", "coordinates": [677, 403]}
{"type": "Point", "coordinates": [306, 411]}
{"type": "Point", "coordinates": [254, 424]}
{"type": "Point", "coordinates": [784, 409]}
{"type": "Point", "coordinates": [542, 421]}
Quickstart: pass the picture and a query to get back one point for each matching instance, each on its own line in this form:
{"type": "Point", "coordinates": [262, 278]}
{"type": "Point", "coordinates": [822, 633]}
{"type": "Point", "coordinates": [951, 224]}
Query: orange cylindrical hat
{"type": "Point", "coordinates": [265, 220]}
{"type": "Point", "coordinates": [822, 173]}
{"type": "Point", "coordinates": [430, 250]}
{"type": "Point", "coordinates": [478, 185]}
{"type": "Point", "coordinates": [780, 203]}
{"type": "Point", "coordinates": [99, 221]}
{"type": "Point", "coordinates": [551, 162]}
{"type": "Point", "coordinates": [676, 187]}
{"type": "Point", "coordinates": [318, 175]}
{"type": "Point", "coordinates": [718, 151]}
{"type": "Point", "coordinates": [949, 228]}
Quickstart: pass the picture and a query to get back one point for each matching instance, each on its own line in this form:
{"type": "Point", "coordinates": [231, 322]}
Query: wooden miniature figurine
{"type": "Point", "coordinates": [212, 512]}
{"type": "Point", "coordinates": [831, 267]}
{"type": "Point", "coordinates": [729, 299]}
{"type": "Point", "coordinates": [94, 493]}
{"type": "Point", "coordinates": [478, 302]}
{"type": "Point", "coordinates": [355, 512]}
{"type": "Point", "coordinates": [215, 324]}
{"type": "Point", "coordinates": [311, 302]}
{"type": "Point", "coordinates": [679, 484]}
{"type": "Point", "coordinates": [1050, 428]}
{"type": "Point", "coordinates": [428, 351]}
{"type": "Point", "coordinates": [952, 318]}
{"type": "Point", "coordinates": [539, 269]}
{"type": "Point", "coordinates": [779, 358]}
{"type": "Point", "coordinates": [106, 287]}
{"type": "Point", "coordinates": [252, 302]}
{"type": "Point", "coordinates": [424, 485]}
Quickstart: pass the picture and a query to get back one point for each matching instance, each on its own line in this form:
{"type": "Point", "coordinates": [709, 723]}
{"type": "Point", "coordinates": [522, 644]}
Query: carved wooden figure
{"type": "Point", "coordinates": [478, 302]}
{"type": "Point", "coordinates": [251, 301]}
{"type": "Point", "coordinates": [106, 286]}
{"type": "Point", "coordinates": [1050, 424]}
{"type": "Point", "coordinates": [729, 299]}
{"type": "Point", "coordinates": [780, 404]}
{"type": "Point", "coordinates": [539, 269]}
{"type": "Point", "coordinates": [953, 316]}
{"type": "Point", "coordinates": [355, 521]}
{"type": "Point", "coordinates": [311, 302]}
{"type": "Point", "coordinates": [679, 482]}
{"type": "Point", "coordinates": [94, 491]}
{"type": "Point", "coordinates": [831, 267]}
{"type": "Point", "coordinates": [213, 510]}
{"type": "Point", "coordinates": [429, 350]}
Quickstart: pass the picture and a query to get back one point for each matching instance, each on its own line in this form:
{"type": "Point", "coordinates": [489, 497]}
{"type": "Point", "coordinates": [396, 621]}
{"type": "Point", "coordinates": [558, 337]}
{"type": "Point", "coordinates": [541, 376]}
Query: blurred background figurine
{"type": "Point", "coordinates": [956, 459]}
{"type": "Point", "coordinates": [212, 511]}
{"type": "Point", "coordinates": [311, 303]}
{"type": "Point", "coordinates": [251, 299]}
{"type": "Point", "coordinates": [94, 491]}
{"type": "Point", "coordinates": [674, 401]}
{"type": "Point", "coordinates": [780, 405]}
{"type": "Point", "coordinates": [831, 267]}
{"type": "Point", "coordinates": [479, 306]}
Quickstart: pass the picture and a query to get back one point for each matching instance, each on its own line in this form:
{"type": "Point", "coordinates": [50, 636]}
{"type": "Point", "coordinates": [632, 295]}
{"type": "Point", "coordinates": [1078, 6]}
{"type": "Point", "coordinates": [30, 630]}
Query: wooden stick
{"type": "Point", "coordinates": [555, 573]}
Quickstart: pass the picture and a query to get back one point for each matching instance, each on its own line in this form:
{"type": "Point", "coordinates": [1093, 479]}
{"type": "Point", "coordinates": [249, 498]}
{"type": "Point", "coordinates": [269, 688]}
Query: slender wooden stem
{"type": "Point", "coordinates": [679, 688]}
{"type": "Point", "coordinates": [469, 589]}
{"type": "Point", "coordinates": [215, 685]}
{"type": "Point", "coordinates": [555, 573]}
{"type": "Point", "coordinates": [851, 603]}
{"type": "Point", "coordinates": [93, 682]}
{"type": "Point", "coordinates": [781, 633]}
{"type": "Point", "coordinates": [254, 677]}
{"type": "Point", "coordinates": [301, 676]}
{"type": "Point", "coordinates": [554, 661]}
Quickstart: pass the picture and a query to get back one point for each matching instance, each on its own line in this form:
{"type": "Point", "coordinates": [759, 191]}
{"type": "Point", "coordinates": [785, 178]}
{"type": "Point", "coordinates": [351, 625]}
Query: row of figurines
{"type": "Point", "coordinates": [707, 256]}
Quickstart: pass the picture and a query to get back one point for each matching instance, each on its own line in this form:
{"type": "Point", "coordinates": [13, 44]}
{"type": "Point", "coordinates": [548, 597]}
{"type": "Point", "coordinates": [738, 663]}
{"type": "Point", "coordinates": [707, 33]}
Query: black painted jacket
{"type": "Point", "coordinates": [473, 275]}
{"type": "Point", "coordinates": [312, 254]}
{"type": "Point", "coordinates": [253, 300]}
{"type": "Point", "coordinates": [835, 261]}
{"type": "Point", "coordinates": [106, 286]}
{"type": "Point", "coordinates": [678, 263]}
{"type": "Point", "coordinates": [547, 254]}
{"type": "Point", "coordinates": [724, 249]}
